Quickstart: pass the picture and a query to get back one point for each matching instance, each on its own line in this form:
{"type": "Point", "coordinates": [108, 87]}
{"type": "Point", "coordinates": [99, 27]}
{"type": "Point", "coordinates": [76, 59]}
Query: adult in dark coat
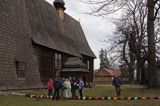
{"type": "Point", "coordinates": [117, 83]}
{"type": "Point", "coordinates": [57, 87]}
{"type": "Point", "coordinates": [74, 87]}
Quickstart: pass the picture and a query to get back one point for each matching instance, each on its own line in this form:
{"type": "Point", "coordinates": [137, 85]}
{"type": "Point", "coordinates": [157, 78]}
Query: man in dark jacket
{"type": "Point", "coordinates": [74, 87]}
{"type": "Point", "coordinates": [117, 83]}
{"type": "Point", "coordinates": [57, 87]}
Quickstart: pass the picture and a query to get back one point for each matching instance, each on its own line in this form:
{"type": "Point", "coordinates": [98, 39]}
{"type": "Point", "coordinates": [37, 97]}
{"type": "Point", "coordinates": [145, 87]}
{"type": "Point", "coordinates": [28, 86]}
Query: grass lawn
{"type": "Point", "coordinates": [127, 90]}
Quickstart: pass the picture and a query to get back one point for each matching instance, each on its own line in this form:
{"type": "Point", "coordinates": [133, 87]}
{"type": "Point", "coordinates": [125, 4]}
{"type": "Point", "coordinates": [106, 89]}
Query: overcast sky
{"type": "Point", "coordinates": [95, 28]}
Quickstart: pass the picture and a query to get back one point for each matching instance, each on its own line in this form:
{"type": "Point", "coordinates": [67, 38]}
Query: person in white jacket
{"type": "Point", "coordinates": [67, 90]}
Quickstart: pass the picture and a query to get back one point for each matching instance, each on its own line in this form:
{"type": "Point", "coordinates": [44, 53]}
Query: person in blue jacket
{"type": "Point", "coordinates": [81, 85]}
{"type": "Point", "coordinates": [117, 83]}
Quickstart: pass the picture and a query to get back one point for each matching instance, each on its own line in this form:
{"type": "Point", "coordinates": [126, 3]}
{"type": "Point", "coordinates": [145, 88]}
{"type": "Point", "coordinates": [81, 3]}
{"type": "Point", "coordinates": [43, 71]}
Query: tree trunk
{"type": "Point", "coordinates": [143, 76]}
{"type": "Point", "coordinates": [138, 71]}
{"type": "Point", "coordinates": [151, 45]}
{"type": "Point", "coordinates": [131, 73]}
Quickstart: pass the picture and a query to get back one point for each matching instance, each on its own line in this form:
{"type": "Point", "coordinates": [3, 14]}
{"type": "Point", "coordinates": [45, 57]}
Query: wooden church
{"type": "Point", "coordinates": [39, 41]}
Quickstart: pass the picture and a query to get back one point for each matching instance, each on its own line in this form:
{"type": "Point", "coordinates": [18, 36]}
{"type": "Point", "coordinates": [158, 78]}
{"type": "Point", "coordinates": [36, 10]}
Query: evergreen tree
{"type": "Point", "coordinates": [104, 62]}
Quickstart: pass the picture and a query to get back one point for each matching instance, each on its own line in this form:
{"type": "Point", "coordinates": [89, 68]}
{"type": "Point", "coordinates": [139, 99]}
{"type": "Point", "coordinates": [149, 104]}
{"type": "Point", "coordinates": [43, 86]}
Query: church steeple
{"type": "Point", "coordinates": [59, 5]}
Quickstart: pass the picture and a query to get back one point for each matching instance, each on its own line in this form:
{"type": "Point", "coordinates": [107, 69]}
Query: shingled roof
{"type": "Point", "coordinates": [107, 72]}
{"type": "Point", "coordinates": [50, 31]}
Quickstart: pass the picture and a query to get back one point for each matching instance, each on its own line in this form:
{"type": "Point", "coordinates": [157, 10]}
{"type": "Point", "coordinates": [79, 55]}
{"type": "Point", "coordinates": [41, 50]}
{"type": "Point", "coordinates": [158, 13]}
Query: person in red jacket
{"type": "Point", "coordinates": [50, 87]}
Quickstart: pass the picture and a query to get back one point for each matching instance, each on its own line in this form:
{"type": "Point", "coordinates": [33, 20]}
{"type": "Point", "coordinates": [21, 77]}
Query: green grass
{"type": "Point", "coordinates": [127, 90]}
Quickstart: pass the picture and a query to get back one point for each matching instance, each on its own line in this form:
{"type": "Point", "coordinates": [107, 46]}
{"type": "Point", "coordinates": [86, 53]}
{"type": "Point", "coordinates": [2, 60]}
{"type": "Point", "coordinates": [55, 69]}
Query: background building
{"type": "Point", "coordinates": [105, 76]}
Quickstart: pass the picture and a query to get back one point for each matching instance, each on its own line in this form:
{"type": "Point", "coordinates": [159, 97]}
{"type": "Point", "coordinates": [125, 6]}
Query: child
{"type": "Point", "coordinates": [50, 87]}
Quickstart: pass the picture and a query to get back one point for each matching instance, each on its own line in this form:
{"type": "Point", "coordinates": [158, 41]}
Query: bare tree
{"type": "Point", "coordinates": [139, 14]}
{"type": "Point", "coordinates": [131, 29]}
{"type": "Point", "coordinates": [142, 27]}
{"type": "Point", "coordinates": [104, 7]}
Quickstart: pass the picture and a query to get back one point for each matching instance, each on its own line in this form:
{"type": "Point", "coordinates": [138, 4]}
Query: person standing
{"type": "Point", "coordinates": [117, 83]}
{"type": "Point", "coordinates": [67, 90]}
{"type": "Point", "coordinates": [50, 87]}
{"type": "Point", "coordinates": [57, 87]}
{"type": "Point", "coordinates": [81, 85]}
{"type": "Point", "coordinates": [63, 88]}
{"type": "Point", "coordinates": [74, 87]}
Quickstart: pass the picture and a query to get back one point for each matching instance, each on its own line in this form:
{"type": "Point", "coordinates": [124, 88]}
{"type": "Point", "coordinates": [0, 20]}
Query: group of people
{"type": "Point", "coordinates": [65, 88]}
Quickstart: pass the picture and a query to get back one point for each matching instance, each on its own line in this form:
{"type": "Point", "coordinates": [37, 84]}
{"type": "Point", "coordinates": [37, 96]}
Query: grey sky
{"type": "Point", "coordinates": [95, 28]}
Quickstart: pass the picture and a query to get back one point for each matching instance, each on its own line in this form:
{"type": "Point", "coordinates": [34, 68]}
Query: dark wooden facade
{"type": "Point", "coordinates": [35, 44]}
